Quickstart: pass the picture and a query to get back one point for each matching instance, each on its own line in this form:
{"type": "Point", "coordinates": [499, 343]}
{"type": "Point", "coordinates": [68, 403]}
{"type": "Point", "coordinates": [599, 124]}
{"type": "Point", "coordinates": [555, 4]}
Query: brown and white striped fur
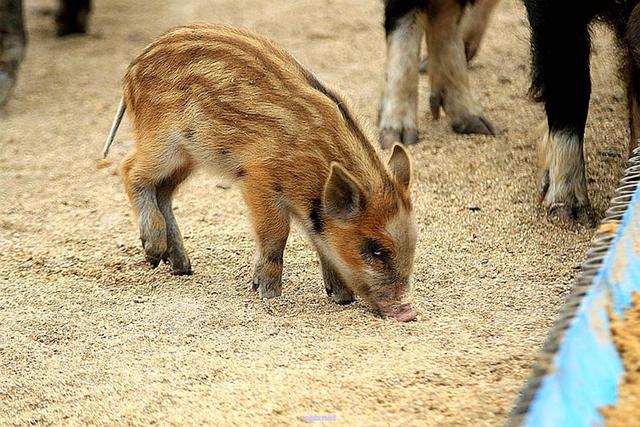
{"type": "Point", "coordinates": [230, 100]}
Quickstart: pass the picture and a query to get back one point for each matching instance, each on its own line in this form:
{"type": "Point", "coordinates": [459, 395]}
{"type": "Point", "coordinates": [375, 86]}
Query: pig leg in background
{"type": "Point", "coordinates": [73, 17]}
{"type": "Point", "coordinates": [448, 70]}
{"type": "Point", "coordinates": [399, 103]}
{"type": "Point", "coordinates": [271, 224]}
{"type": "Point", "coordinates": [176, 253]}
{"type": "Point", "coordinates": [633, 103]}
{"type": "Point", "coordinates": [474, 23]}
{"type": "Point", "coordinates": [334, 285]}
{"type": "Point", "coordinates": [141, 189]}
{"type": "Point", "coordinates": [632, 74]}
{"type": "Point", "coordinates": [12, 45]}
{"type": "Point", "coordinates": [561, 47]}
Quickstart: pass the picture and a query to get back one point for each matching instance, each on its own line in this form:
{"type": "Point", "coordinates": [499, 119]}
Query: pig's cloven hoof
{"type": "Point", "coordinates": [388, 137]}
{"type": "Point", "coordinates": [342, 295]}
{"type": "Point", "coordinates": [474, 125]}
{"type": "Point", "coordinates": [154, 253]}
{"type": "Point", "coordinates": [180, 263]}
{"type": "Point", "coordinates": [267, 288]}
{"type": "Point", "coordinates": [566, 214]}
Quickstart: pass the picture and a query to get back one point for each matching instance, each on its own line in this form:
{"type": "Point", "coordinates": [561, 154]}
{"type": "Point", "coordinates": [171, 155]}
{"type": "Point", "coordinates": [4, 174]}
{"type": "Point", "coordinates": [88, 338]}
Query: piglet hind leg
{"type": "Point", "coordinates": [399, 102]}
{"type": "Point", "coordinates": [141, 189]}
{"type": "Point", "coordinates": [271, 224]}
{"type": "Point", "coordinates": [334, 285]}
{"type": "Point", "coordinates": [177, 255]}
{"type": "Point", "coordinates": [447, 69]}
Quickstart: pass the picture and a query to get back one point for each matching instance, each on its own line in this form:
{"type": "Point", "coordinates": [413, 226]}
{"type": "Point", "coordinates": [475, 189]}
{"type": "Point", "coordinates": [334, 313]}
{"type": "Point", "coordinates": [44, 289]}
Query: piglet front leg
{"type": "Point", "coordinates": [334, 285]}
{"type": "Point", "coordinates": [272, 226]}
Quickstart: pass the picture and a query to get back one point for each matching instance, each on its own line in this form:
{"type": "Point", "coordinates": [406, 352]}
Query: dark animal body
{"type": "Point", "coordinates": [560, 48]}
{"type": "Point", "coordinates": [450, 43]}
{"type": "Point", "coordinates": [234, 102]}
{"type": "Point", "coordinates": [71, 18]}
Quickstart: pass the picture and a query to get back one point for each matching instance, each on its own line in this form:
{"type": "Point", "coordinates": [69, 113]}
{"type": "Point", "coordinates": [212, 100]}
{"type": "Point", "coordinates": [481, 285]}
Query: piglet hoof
{"type": "Point", "coordinates": [186, 271]}
{"type": "Point", "coordinates": [7, 82]}
{"type": "Point", "coordinates": [267, 288]}
{"type": "Point", "coordinates": [342, 295]}
{"type": "Point", "coordinates": [401, 312]}
{"type": "Point", "coordinates": [180, 264]}
{"type": "Point", "coordinates": [153, 261]}
{"type": "Point", "coordinates": [388, 137]}
{"type": "Point", "coordinates": [153, 254]}
{"type": "Point", "coordinates": [474, 125]}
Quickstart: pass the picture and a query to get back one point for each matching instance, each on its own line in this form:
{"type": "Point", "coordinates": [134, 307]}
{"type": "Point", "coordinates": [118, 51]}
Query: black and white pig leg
{"type": "Point", "coordinates": [560, 63]}
{"type": "Point", "coordinates": [12, 45]}
{"type": "Point", "coordinates": [447, 69]}
{"type": "Point", "coordinates": [399, 104]}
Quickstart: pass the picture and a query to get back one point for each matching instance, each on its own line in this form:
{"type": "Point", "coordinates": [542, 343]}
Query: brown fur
{"type": "Point", "coordinates": [233, 101]}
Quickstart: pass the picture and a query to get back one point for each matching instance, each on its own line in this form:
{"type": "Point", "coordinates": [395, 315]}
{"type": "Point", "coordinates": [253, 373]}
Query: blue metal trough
{"type": "Point", "coordinates": [579, 368]}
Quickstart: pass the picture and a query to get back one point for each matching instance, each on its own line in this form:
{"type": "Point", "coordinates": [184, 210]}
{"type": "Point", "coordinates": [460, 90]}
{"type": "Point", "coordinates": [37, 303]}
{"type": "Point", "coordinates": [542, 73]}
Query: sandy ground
{"type": "Point", "coordinates": [89, 334]}
{"type": "Point", "coordinates": [626, 335]}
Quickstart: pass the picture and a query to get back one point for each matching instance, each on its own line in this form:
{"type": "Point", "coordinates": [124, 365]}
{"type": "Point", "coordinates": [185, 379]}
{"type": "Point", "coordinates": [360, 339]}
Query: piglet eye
{"type": "Point", "coordinates": [373, 252]}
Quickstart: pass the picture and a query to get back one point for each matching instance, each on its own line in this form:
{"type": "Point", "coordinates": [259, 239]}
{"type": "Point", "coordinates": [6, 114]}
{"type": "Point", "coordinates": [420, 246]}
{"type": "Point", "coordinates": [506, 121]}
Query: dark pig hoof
{"type": "Point", "coordinates": [566, 215]}
{"type": "Point", "coordinates": [182, 272]}
{"type": "Point", "coordinates": [561, 212]}
{"type": "Point", "coordinates": [585, 216]}
{"type": "Point", "coordinates": [342, 296]}
{"type": "Point", "coordinates": [153, 255]}
{"type": "Point", "coordinates": [474, 125]}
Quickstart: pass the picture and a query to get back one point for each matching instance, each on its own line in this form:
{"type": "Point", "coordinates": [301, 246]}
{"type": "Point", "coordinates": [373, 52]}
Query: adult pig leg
{"type": "Point", "coordinates": [12, 45]}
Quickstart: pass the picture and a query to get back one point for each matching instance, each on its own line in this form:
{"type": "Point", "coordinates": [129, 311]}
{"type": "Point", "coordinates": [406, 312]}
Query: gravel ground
{"type": "Point", "coordinates": [626, 335]}
{"type": "Point", "coordinates": [90, 335]}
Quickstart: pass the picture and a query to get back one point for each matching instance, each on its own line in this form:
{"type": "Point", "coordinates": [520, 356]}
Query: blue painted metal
{"type": "Point", "coordinates": [582, 367]}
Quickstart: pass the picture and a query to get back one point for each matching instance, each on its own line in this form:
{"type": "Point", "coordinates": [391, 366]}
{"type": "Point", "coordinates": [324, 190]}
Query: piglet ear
{"type": "Point", "coordinates": [343, 195]}
{"type": "Point", "coordinates": [400, 165]}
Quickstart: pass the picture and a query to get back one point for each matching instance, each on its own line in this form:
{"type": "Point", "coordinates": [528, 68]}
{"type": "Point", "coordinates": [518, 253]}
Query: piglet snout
{"type": "Point", "coordinates": [400, 312]}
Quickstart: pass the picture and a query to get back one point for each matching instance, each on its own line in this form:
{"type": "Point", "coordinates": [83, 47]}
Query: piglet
{"type": "Point", "coordinates": [234, 102]}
